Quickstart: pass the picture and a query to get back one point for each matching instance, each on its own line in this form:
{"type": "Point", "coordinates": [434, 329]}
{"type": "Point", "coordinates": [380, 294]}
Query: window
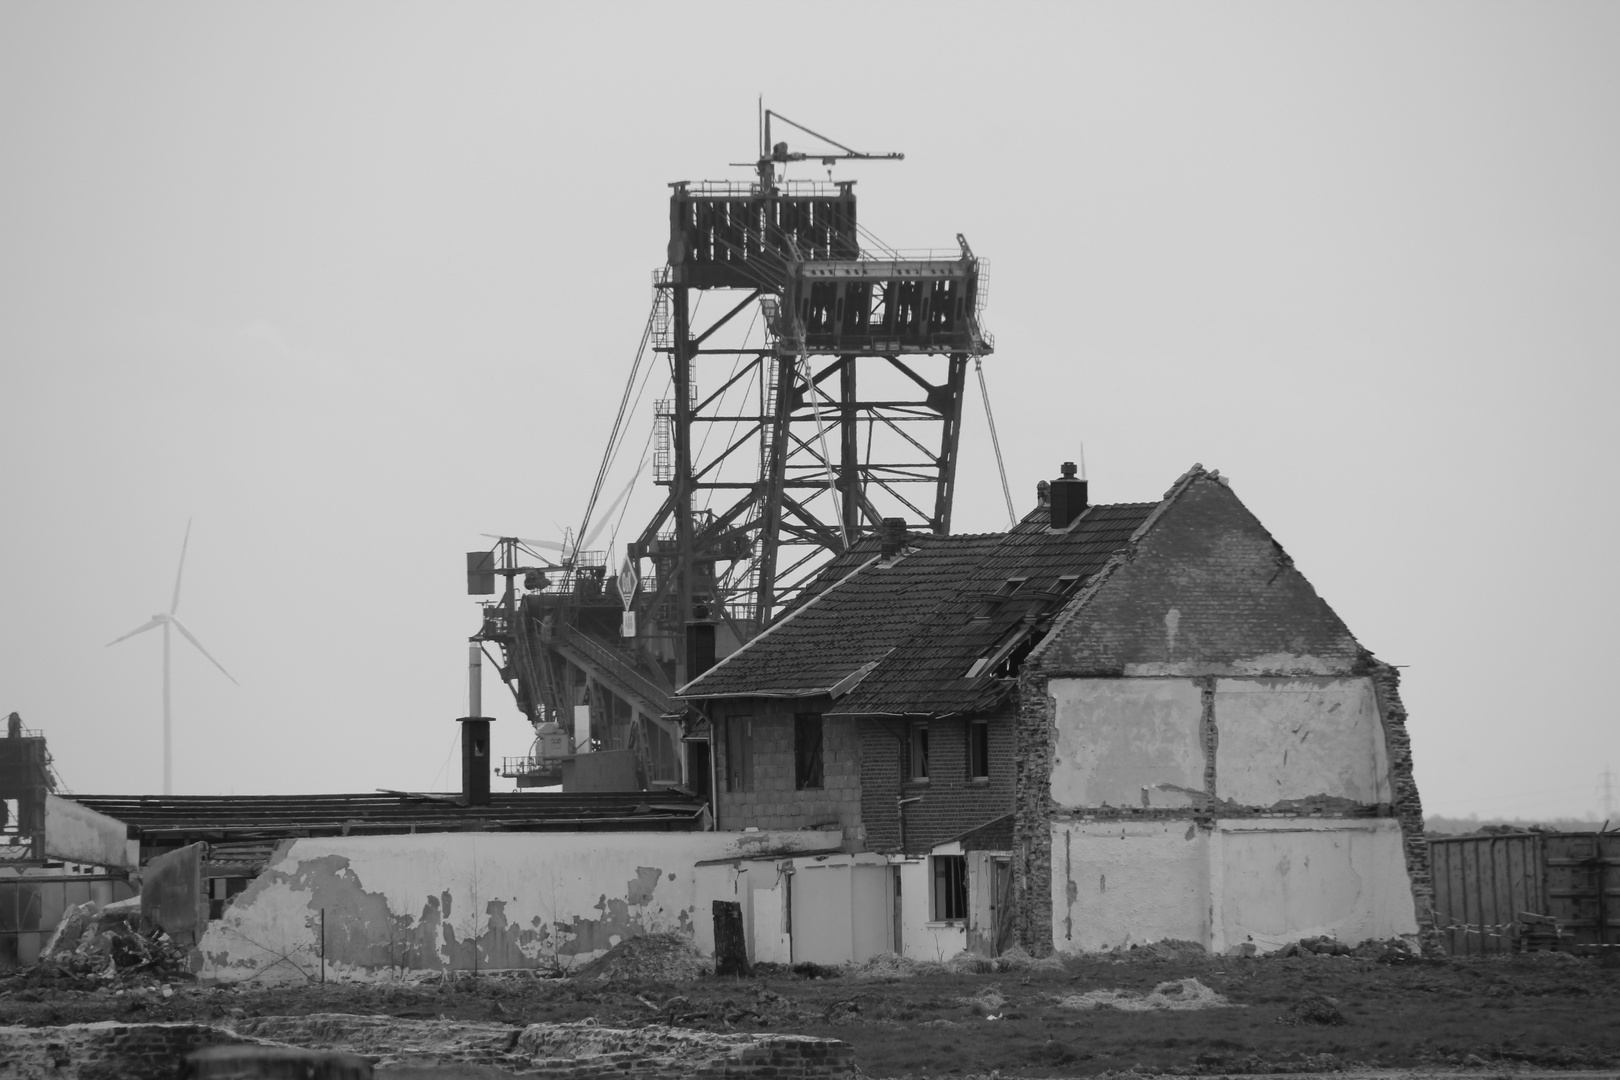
{"type": "Point", "coordinates": [990, 603]}
{"type": "Point", "coordinates": [917, 767]}
{"type": "Point", "coordinates": [978, 750]}
{"type": "Point", "coordinates": [807, 750]}
{"type": "Point", "coordinates": [950, 887]}
{"type": "Point", "coordinates": [739, 753]}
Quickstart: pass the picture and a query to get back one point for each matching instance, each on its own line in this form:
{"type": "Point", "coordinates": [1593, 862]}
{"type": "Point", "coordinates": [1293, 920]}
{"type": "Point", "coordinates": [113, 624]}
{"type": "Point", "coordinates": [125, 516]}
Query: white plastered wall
{"type": "Point", "coordinates": [1121, 883]}
{"type": "Point", "coordinates": [1269, 880]}
{"type": "Point", "coordinates": [1120, 740]}
{"type": "Point", "coordinates": [421, 901]}
{"type": "Point", "coordinates": [921, 937]}
{"type": "Point", "coordinates": [1280, 881]}
{"type": "Point", "coordinates": [1295, 738]}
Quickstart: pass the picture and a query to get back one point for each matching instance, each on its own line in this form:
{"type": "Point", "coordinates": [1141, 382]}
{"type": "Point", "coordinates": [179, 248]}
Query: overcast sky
{"type": "Point", "coordinates": [350, 284]}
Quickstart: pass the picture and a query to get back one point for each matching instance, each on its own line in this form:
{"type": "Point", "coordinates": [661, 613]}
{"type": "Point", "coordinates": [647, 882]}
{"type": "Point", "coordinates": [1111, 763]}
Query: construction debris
{"type": "Point", "coordinates": [650, 958]}
{"type": "Point", "coordinates": [114, 946]}
{"type": "Point", "coordinates": [1177, 995]}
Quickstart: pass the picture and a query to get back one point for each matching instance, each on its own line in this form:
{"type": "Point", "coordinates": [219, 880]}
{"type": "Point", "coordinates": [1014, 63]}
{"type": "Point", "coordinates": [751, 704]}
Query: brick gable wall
{"type": "Point", "coordinates": [1206, 591]}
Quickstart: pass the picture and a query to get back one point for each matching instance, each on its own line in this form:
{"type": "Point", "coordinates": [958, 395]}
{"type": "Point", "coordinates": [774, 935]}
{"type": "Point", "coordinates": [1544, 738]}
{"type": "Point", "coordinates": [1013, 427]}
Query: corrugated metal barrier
{"type": "Point", "coordinates": [1507, 892]}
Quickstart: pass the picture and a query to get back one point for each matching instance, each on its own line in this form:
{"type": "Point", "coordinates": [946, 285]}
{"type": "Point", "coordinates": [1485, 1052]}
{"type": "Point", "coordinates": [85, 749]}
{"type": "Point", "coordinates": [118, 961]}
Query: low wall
{"type": "Point", "coordinates": [105, 1051]}
{"type": "Point", "coordinates": [1269, 881]}
{"type": "Point", "coordinates": [370, 907]}
{"type": "Point", "coordinates": [574, 1051]}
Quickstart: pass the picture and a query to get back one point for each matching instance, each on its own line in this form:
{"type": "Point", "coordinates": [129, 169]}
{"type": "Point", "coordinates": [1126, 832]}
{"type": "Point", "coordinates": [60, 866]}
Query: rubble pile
{"type": "Point", "coordinates": [95, 947]}
{"type": "Point", "coordinates": [1177, 995]}
{"type": "Point", "coordinates": [1313, 1009]}
{"type": "Point", "coordinates": [651, 958]}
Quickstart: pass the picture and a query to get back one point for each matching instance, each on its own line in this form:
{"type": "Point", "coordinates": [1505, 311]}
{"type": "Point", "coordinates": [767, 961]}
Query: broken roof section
{"type": "Point", "coordinates": [931, 631]}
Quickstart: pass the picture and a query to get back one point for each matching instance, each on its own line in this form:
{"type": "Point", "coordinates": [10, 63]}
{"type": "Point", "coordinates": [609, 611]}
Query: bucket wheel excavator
{"type": "Point", "coordinates": [813, 387]}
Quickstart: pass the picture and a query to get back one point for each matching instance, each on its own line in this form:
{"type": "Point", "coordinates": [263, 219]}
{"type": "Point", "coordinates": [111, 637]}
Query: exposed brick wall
{"type": "Point", "coordinates": [772, 801]}
{"type": "Point", "coordinates": [656, 1052]}
{"type": "Point", "coordinates": [951, 803]}
{"type": "Point", "coordinates": [1408, 805]}
{"type": "Point", "coordinates": [881, 759]}
{"type": "Point", "coordinates": [1235, 594]}
{"type": "Point", "coordinates": [569, 1051]}
{"type": "Point", "coordinates": [105, 1051]}
{"type": "Point", "coordinates": [1033, 809]}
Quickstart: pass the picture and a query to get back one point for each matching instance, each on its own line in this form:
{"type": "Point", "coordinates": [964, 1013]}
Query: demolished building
{"type": "Point", "coordinates": [1112, 723]}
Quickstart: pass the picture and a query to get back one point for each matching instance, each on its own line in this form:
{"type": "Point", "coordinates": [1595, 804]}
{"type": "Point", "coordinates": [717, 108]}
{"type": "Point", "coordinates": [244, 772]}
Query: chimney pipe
{"type": "Point", "coordinates": [1069, 497]}
{"type": "Point", "coordinates": [892, 536]}
{"type": "Point", "coordinates": [475, 760]}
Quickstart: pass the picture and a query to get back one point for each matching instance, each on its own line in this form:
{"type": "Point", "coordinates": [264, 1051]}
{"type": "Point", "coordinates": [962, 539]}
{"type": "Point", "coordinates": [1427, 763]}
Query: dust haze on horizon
{"type": "Point", "coordinates": [350, 285]}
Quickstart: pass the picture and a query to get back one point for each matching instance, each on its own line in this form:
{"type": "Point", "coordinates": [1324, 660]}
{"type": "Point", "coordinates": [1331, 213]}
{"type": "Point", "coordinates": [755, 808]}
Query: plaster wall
{"type": "Point", "coordinates": [1126, 742]}
{"type": "Point", "coordinates": [456, 901]}
{"type": "Point", "coordinates": [1116, 883]}
{"type": "Point", "coordinates": [823, 913]}
{"type": "Point", "coordinates": [1297, 738]}
{"type": "Point", "coordinates": [921, 938]}
{"type": "Point", "coordinates": [1269, 881]}
{"type": "Point", "coordinates": [872, 909]}
{"type": "Point", "coordinates": [1309, 877]}
{"type": "Point", "coordinates": [79, 834]}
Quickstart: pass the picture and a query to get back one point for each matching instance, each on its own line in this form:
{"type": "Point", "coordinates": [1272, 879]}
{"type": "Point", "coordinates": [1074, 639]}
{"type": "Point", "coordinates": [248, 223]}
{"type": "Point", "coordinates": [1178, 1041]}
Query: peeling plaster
{"type": "Point", "coordinates": [457, 902]}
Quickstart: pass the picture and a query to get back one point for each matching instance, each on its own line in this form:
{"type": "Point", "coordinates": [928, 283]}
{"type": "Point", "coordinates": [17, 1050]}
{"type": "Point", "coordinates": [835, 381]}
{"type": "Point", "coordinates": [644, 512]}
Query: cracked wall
{"type": "Point", "coordinates": [456, 902]}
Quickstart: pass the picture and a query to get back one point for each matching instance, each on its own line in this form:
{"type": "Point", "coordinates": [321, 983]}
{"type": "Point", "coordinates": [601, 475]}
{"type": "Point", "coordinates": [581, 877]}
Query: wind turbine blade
{"type": "Point", "coordinates": [607, 515]}
{"type": "Point", "coordinates": [178, 625]}
{"type": "Point", "coordinates": [183, 545]}
{"type": "Point", "coordinates": [150, 624]}
{"type": "Point", "coordinates": [545, 563]}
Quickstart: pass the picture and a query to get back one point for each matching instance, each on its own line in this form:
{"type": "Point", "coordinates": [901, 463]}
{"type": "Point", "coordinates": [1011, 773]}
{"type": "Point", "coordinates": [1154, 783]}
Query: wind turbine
{"type": "Point", "coordinates": [166, 621]}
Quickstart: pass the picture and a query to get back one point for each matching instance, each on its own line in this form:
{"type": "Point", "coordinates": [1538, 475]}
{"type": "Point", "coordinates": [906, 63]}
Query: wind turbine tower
{"type": "Point", "coordinates": [166, 621]}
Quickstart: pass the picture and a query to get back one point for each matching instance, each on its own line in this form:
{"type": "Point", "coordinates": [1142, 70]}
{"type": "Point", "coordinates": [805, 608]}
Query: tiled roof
{"type": "Point", "coordinates": [856, 611]}
{"type": "Point", "coordinates": [245, 817]}
{"type": "Point", "coordinates": [917, 624]}
{"type": "Point", "coordinates": [927, 673]}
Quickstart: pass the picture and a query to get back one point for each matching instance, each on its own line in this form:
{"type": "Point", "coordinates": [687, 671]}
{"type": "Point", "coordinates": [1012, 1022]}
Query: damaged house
{"type": "Point", "coordinates": [1113, 723]}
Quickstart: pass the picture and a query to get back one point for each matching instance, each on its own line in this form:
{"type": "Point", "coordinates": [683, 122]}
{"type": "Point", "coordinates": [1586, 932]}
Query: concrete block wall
{"type": "Point", "coordinates": [772, 800]}
{"type": "Point", "coordinates": [951, 802]}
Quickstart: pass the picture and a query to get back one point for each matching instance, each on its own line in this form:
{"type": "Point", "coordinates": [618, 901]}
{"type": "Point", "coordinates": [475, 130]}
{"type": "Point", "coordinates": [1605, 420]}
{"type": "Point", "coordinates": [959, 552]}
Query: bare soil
{"type": "Point", "coordinates": [1110, 1014]}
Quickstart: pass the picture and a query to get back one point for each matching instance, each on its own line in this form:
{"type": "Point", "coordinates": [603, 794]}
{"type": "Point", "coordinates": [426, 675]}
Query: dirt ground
{"type": "Point", "coordinates": [1148, 1011]}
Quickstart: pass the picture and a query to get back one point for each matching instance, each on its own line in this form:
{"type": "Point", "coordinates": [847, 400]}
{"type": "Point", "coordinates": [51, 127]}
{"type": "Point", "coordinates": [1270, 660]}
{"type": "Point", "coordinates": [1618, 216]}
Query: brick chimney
{"type": "Point", "coordinates": [892, 536]}
{"type": "Point", "coordinates": [1069, 499]}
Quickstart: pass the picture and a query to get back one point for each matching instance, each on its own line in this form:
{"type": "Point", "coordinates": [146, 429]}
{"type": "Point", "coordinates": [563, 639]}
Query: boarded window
{"type": "Point", "coordinates": [739, 753]}
{"type": "Point", "coordinates": [917, 767]}
{"type": "Point", "coordinates": [978, 750]}
{"type": "Point", "coordinates": [807, 750]}
{"type": "Point", "coordinates": [950, 887]}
